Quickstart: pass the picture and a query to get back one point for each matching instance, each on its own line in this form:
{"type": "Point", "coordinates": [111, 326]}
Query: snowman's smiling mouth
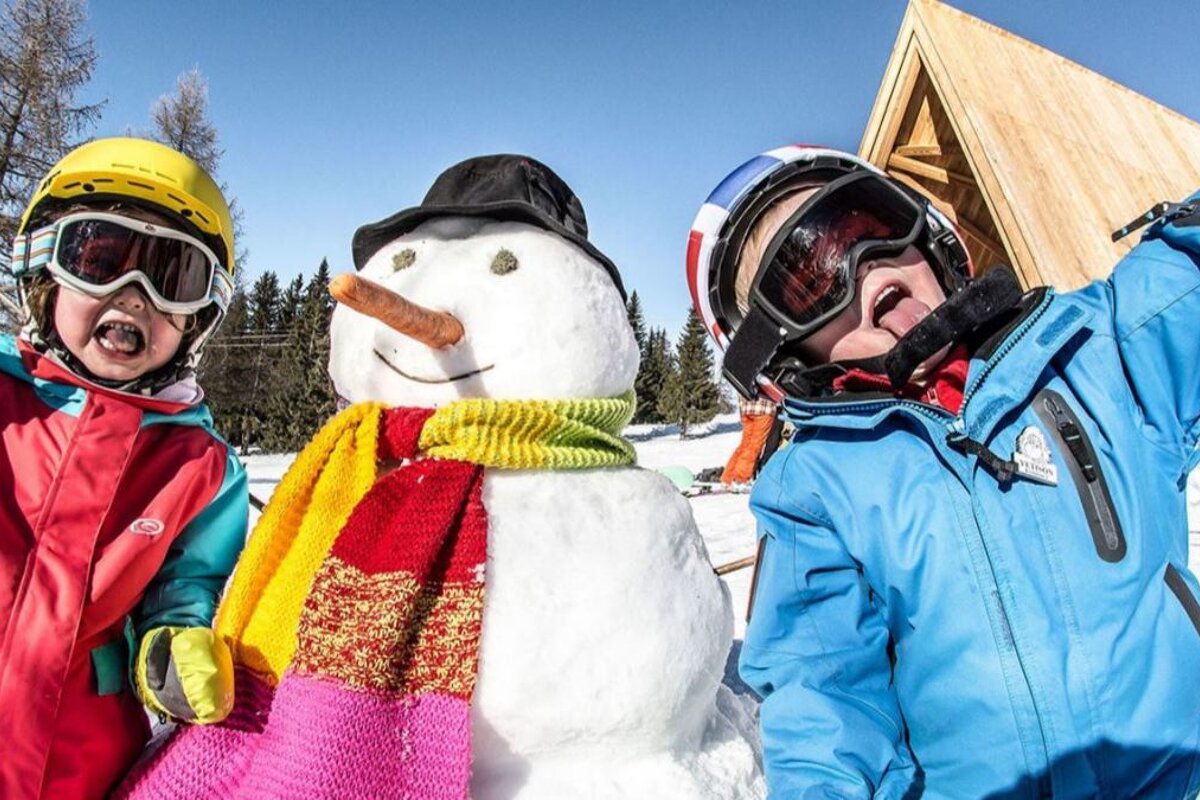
{"type": "Point", "coordinates": [404, 374]}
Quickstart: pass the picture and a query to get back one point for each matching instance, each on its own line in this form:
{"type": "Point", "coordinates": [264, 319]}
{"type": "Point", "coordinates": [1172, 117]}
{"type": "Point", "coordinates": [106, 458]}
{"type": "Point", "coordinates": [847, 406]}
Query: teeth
{"type": "Point", "coordinates": [885, 293]}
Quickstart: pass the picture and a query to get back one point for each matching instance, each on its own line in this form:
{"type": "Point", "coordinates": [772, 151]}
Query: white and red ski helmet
{"type": "Point", "coordinates": [725, 219]}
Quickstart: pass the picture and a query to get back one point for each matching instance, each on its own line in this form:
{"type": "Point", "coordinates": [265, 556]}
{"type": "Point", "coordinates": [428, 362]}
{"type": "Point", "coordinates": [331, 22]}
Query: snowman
{"type": "Point", "coordinates": [596, 671]}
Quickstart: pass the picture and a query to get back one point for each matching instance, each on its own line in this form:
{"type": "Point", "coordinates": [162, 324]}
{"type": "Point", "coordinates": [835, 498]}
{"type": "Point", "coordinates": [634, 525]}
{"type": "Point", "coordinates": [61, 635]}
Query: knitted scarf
{"type": "Point", "coordinates": [355, 613]}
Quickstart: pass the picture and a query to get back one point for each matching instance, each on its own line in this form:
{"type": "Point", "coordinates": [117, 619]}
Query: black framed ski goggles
{"type": "Point", "coordinates": [99, 253]}
{"type": "Point", "coordinates": [809, 270]}
{"type": "Point", "coordinates": [810, 267]}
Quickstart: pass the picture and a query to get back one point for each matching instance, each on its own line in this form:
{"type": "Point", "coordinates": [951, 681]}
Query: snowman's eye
{"type": "Point", "coordinates": [504, 262]}
{"type": "Point", "coordinates": [404, 259]}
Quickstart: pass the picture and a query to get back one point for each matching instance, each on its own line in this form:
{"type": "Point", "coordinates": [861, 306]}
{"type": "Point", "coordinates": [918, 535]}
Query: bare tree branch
{"type": "Point", "coordinates": [45, 59]}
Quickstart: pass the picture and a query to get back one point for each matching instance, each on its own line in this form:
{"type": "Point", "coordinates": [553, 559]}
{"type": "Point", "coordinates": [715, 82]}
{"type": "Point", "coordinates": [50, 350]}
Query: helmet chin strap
{"type": "Point", "coordinates": [976, 307]}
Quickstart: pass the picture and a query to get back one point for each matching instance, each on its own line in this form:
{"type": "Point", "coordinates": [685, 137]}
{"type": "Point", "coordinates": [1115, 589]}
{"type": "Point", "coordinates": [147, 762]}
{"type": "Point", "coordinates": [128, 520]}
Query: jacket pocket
{"type": "Point", "coordinates": [1186, 599]}
{"type": "Point", "coordinates": [1084, 467]}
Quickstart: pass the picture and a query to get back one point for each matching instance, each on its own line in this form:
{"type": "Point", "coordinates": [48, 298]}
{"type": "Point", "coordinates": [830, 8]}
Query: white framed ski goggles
{"type": "Point", "coordinates": [99, 253]}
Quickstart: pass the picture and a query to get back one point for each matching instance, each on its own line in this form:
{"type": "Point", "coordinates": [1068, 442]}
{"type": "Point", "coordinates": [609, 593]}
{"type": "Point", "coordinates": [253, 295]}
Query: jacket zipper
{"type": "Point", "coordinates": [1177, 585]}
{"type": "Point", "coordinates": [1084, 467]}
{"type": "Point", "coordinates": [955, 424]}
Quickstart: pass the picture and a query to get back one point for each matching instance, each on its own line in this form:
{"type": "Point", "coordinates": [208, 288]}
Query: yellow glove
{"type": "Point", "coordinates": [185, 673]}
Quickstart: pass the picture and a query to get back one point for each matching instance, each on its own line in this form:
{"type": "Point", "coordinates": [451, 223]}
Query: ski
{"type": "Point", "coordinates": [703, 488]}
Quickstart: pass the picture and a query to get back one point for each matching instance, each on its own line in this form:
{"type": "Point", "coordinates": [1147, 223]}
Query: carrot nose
{"type": "Point", "coordinates": [437, 329]}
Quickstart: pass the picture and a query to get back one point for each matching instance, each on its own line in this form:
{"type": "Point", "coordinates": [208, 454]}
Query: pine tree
{"type": "Point", "coordinates": [264, 305]}
{"type": "Point", "coordinates": [289, 304]}
{"type": "Point", "coordinates": [634, 309]}
{"type": "Point", "coordinates": [690, 395]}
{"type": "Point", "coordinates": [45, 59]}
{"type": "Point", "coordinates": [303, 398]}
{"type": "Point", "coordinates": [253, 359]}
{"type": "Point", "coordinates": [653, 372]}
{"type": "Point", "coordinates": [645, 403]}
{"type": "Point", "coordinates": [181, 121]}
{"type": "Point", "coordinates": [227, 369]}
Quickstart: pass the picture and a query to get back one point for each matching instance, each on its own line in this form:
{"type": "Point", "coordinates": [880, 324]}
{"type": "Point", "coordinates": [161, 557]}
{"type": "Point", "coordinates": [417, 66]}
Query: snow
{"type": "Point", "coordinates": [606, 634]}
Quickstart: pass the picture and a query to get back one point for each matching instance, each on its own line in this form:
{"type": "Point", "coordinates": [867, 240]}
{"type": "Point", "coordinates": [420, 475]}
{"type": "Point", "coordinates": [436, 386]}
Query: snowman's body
{"type": "Point", "coordinates": [605, 630]}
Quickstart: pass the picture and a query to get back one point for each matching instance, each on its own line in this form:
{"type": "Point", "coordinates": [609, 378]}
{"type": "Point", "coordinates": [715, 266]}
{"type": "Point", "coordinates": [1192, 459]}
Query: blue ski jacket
{"type": "Point", "coordinates": [921, 628]}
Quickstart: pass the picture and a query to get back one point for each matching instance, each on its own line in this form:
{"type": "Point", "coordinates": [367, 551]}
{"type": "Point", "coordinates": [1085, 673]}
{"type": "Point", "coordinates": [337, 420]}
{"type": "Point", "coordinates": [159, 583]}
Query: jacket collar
{"type": "Point", "coordinates": [46, 368]}
{"type": "Point", "coordinates": [1002, 374]}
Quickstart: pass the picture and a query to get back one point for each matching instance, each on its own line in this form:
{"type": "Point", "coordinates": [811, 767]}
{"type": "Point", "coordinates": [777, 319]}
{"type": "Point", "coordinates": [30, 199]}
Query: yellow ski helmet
{"type": "Point", "coordinates": [142, 171]}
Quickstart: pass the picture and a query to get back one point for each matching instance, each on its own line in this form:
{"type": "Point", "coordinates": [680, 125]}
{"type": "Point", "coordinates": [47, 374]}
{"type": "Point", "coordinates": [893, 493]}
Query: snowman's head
{"type": "Point", "coordinates": [541, 319]}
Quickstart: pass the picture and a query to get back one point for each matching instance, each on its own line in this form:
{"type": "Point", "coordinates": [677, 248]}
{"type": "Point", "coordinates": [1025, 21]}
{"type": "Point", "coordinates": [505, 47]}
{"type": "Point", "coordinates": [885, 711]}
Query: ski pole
{"type": "Point", "coordinates": [734, 566]}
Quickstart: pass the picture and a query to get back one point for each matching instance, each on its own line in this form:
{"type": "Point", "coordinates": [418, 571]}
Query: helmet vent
{"type": "Point", "coordinates": [71, 185]}
{"type": "Point", "coordinates": [87, 187]}
{"type": "Point", "coordinates": [187, 212]}
{"type": "Point", "coordinates": [102, 180]}
{"type": "Point", "coordinates": [145, 186]}
{"type": "Point", "coordinates": [179, 200]}
{"type": "Point", "coordinates": [166, 177]}
{"type": "Point", "coordinates": [203, 218]}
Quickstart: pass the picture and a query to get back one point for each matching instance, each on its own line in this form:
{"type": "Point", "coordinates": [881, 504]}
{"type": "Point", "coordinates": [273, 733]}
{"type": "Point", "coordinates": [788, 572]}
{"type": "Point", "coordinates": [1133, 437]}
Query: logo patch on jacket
{"type": "Point", "coordinates": [147, 526]}
{"type": "Point", "coordinates": [1032, 457]}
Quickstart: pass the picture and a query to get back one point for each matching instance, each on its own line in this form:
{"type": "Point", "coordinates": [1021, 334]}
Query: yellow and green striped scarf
{"type": "Point", "coordinates": [532, 434]}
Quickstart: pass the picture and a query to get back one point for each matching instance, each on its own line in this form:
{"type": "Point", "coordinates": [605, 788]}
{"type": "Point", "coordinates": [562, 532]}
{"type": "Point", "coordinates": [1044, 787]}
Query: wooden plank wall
{"type": "Point", "coordinates": [1075, 154]}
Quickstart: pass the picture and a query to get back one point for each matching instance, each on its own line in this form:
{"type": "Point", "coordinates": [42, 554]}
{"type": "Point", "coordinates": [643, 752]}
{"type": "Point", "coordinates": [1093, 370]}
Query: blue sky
{"type": "Point", "coordinates": [337, 114]}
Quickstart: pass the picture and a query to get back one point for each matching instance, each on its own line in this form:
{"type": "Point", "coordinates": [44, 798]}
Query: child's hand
{"type": "Point", "coordinates": [185, 673]}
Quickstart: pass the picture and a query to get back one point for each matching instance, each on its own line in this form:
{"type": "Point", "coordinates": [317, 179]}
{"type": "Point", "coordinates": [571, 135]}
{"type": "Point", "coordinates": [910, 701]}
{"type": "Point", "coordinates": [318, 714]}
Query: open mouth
{"type": "Point", "coordinates": [120, 338]}
{"type": "Point", "coordinates": [886, 302]}
{"type": "Point", "coordinates": [404, 374]}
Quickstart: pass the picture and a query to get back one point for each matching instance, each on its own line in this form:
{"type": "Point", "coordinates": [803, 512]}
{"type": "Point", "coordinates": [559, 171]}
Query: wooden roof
{"type": "Point", "coordinates": [1037, 158]}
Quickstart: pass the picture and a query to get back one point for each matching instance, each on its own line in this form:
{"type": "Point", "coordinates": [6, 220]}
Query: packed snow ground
{"type": "Point", "coordinates": [724, 520]}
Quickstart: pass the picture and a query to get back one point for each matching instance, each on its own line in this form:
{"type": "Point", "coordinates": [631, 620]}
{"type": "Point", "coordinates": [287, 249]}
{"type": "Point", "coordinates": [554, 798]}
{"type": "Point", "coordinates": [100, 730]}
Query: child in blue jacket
{"type": "Point", "coordinates": [972, 576]}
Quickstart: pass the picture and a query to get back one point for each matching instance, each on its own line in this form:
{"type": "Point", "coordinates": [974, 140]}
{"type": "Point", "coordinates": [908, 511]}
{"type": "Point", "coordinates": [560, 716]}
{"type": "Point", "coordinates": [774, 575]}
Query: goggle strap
{"type": "Point", "coordinates": [33, 251]}
{"type": "Point", "coordinates": [755, 344]}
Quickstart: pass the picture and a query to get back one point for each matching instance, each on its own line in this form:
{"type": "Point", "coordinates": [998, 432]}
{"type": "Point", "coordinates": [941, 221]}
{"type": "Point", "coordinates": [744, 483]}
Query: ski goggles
{"type": "Point", "coordinates": [99, 253]}
{"type": "Point", "coordinates": [810, 267]}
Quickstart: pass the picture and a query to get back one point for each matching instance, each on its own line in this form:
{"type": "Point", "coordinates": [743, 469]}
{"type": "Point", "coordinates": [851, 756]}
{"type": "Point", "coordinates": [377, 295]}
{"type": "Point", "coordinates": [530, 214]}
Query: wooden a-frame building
{"type": "Point", "coordinates": [1036, 158]}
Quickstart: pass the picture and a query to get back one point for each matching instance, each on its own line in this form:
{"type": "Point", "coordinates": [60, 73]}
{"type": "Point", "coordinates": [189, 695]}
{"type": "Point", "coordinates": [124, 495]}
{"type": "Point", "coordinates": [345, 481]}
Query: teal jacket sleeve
{"type": "Point", "coordinates": [816, 651]}
{"type": "Point", "coordinates": [1155, 302]}
{"type": "Point", "coordinates": [187, 587]}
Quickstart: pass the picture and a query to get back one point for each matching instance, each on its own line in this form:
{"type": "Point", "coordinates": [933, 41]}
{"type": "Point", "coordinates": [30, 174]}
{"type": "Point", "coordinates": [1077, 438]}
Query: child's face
{"type": "Point", "coordinates": [891, 296]}
{"type": "Point", "coordinates": [119, 337]}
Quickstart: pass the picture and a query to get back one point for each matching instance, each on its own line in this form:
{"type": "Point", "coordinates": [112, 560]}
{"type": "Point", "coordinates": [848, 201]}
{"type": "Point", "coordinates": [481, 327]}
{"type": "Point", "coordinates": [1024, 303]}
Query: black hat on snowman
{"type": "Point", "coordinates": [509, 188]}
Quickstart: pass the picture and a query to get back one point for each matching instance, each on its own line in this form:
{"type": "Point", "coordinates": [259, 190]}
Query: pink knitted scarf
{"type": "Point", "coordinates": [376, 702]}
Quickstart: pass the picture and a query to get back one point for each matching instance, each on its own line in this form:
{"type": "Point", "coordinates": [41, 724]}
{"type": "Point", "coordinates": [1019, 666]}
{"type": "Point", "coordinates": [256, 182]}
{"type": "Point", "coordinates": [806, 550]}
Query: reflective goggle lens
{"type": "Point", "coordinates": [99, 252]}
{"type": "Point", "coordinates": [813, 260]}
